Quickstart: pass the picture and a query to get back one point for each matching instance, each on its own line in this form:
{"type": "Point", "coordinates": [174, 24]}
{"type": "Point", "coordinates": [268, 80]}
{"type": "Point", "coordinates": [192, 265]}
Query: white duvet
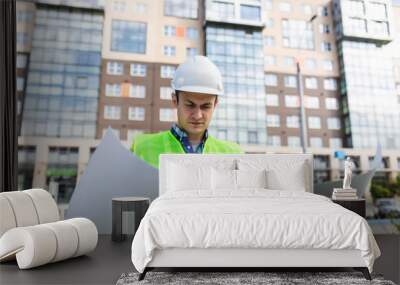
{"type": "Point", "coordinates": [252, 218]}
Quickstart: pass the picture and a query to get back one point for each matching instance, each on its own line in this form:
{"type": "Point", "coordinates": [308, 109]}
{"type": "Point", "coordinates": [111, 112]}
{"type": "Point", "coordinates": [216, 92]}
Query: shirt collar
{"type": "Point", "coordinates": [181, 134]}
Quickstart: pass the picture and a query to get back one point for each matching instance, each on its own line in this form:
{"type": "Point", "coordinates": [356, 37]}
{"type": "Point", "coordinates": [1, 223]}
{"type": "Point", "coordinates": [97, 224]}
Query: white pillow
{"type": "Point", "coordinates": [251, 178]}
{"type": "Point", "coordinates": [293, 180]}
{"type": "Point", "coordinates": [282, 173]}
{"type": "Point", "coordinates": [223, 179]}
{"type": "Point", "coordinates": [182, 177]}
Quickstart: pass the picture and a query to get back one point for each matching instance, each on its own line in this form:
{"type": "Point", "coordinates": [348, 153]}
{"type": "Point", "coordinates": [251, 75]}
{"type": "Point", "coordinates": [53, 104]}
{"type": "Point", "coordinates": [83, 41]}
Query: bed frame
{"type": "Point", "coordinates": [248, 259]}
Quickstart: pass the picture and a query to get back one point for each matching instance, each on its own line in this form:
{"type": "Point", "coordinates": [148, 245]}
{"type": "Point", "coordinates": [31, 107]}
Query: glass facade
{"type": "Point", "coordinates": [62, 170]}
{"type": "Point", "coordinates": [241, 112]}
{"type": "Point", "coordinates": [26, 166]}
{"type": "Point", "coordinates": [369, 100]}
{"type": "Point", "coordinates": [128, 36]}
{"type": "Point", "coordinates": [63, 80]}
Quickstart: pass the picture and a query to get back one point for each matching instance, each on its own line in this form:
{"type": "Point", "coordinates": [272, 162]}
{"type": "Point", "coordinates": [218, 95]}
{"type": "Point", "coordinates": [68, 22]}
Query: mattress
{"type": "Point", "coordinates": [251, 219]}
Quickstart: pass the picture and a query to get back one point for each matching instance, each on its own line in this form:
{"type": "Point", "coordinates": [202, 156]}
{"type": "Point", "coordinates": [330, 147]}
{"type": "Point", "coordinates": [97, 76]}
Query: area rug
{"type": "Point", "coordinates": [269, 278]}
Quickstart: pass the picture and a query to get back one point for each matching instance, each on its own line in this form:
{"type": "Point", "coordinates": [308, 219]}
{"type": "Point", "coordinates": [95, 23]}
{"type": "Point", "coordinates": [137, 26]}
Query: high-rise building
{"type": "Point", "coordinates": [233, 40]}
{"type": "Point", "coordinates": [85, 65]}
{"type": "Point", "coordinates": [369, 101]}
{"type": "Point", "coordinates": [64, 73]}
{"type": "Point", "coordinates": [143, 43]}
{"type": "Point", "coordinates": [301, 32]}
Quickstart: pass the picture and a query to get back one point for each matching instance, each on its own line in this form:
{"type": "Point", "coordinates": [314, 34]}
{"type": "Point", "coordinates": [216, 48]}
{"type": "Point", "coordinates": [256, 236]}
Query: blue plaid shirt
{"type": "Point", "coordinates": [182, 137]}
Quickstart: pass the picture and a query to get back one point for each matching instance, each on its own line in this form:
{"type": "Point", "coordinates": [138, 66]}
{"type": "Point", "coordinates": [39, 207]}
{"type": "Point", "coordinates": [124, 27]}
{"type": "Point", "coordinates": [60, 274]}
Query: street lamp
{"type": "Point", "coordinates": [300, 89]}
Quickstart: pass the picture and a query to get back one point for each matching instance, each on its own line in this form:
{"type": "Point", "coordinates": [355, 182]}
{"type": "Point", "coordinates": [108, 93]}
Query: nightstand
{"type": "Point", "coordinates": [139, 205]}
{"type": "Point", "coordinates": [356, 205]}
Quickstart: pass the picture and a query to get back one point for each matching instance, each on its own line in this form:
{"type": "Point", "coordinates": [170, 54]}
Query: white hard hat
{"type": "Point", "coordinates": [198, 74]}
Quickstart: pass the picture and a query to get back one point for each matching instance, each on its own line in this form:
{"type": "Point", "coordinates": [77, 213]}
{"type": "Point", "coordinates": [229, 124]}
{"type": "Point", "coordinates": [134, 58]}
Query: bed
{"type": "Point", "coordinates": [246, 211]}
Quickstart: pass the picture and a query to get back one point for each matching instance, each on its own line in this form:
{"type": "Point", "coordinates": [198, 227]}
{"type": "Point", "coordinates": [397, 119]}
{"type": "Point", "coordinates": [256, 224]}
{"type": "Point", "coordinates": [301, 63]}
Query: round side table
{"type": "Point", "coordinates": [139, 205]}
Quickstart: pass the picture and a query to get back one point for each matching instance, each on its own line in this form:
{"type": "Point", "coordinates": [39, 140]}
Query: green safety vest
{"type": "Point", "coordinates": [149, 146]}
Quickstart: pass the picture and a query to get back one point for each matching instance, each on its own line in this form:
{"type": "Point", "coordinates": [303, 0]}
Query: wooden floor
{"type": "Point", "coordinates": [103, 266]}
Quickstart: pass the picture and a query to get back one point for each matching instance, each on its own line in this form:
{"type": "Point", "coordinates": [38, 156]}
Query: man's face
{"type": "Point", "coordinates": [194, 111]}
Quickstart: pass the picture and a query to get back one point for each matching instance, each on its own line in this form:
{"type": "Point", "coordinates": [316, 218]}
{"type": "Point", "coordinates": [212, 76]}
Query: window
{"type": "Point", "coordinates": [22, 38]}
{"type": "Point", "coordinates": [269, 60]}
{"type": "Point", "coordinates": [311, 83]}
{"type": "Point", "coordinates": [292, 101]}
{"type": "Point", "coordinates": [169, 31]}
{"type": "Point", "coordinates": [252, 137]}
{"type": "Point", "coordinates": [112, 112]}
{"type": "Point", "coordinates": [378, 10]}
{"type": "Point", "coordinates": [316, 142]}
{"type": "Point", "coordinates": [323, 11]}
{"type": "Point", "coordinates": [326, 46]}
{"type": "Point", "coordinates": [22, 60]}
{"type": "Point", "coordinates": [273, 121]}
{"type": "Point", "coordinates": [327, 65]}
{"type": "Point", "coordinates": [140, 8]}
{"type": "Point", "coordinates": [81, 82]}
{"type": "Point", "coordinates": [181, 8]}
{"type": "Point", "coordinates": [192, 33]}
{"type": "Point", "coordinates": [293, 141]}
{"type": "Point", "coordinates": [335, 142]}
{"type": "Point", "coordinates": [251, 13]}
{"type": "Point", "coordinates": [272, 100]}
{"type": "Point", "coordinates": [292, 121]}
{"type": "Point", "coordinates": [269, 41]}
{"type": "Point", "coordinates": [330, 84]}
{"type": "Point", "coordinates": [132, 134]}
{"type": "Point", "coordinates": [378, 27]}
{"type": "Point", "coordinates": [167, 71]}
{"type": "Point", "coordinates": [223, 10]}
{"type": "Point", "coordinates": [297, 34]}
{"type": "Point", "coordinates": [274, 140]}
{"type": "Point", "coordinates": [113, 90]}
{"type": "Point", "coordinates": [290, 81]}
{"type": "Point", "coordinates": [136, 113]}
{"type": "Point", "coordinates": [169, 50]}
{"type": "Point", "coordinates": [271, 80]}
{"type": "Point", "coordinates": [118, 6]}
{"type": "Point", "coordinates": [20, 83]}
{"type": "Point", "coordinates": [289, 61]}
{"type": "Point", "coordinates": [333, 124]}
{"type": "Point", "coordinates": [138, 69]}
{"type": "Point", "coordinates": [167, 115]}
{"type": "Point", "coordinates": [166, 93]}
{"type": "Point", "coordinates": [127, 36]}
{"type": "Point", "coordinates": [356, 25]}
{"type": "Point", "coordinates": [331, 104]}
{"type": "Point", "coordinates": [314, 122]}
{"type": "Point", "coordinates": [137, 91]}
{"type": "Point", "coordinates": [285, 7]}
{"type": "Point", "coordinates": [310, 63]}
{"type": "Point", "coordinates": [311, 102]}
{"type": "Point", "coordinates": [115, 68]}
{"type": "Point", "coordinates": [191, 51]}
{"type": "Point", "coordinates": [324, 29]}
{"type": "Point", "coordinates": [354, 7]}
{"type": "Point", "coordinates": [24, 16]}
